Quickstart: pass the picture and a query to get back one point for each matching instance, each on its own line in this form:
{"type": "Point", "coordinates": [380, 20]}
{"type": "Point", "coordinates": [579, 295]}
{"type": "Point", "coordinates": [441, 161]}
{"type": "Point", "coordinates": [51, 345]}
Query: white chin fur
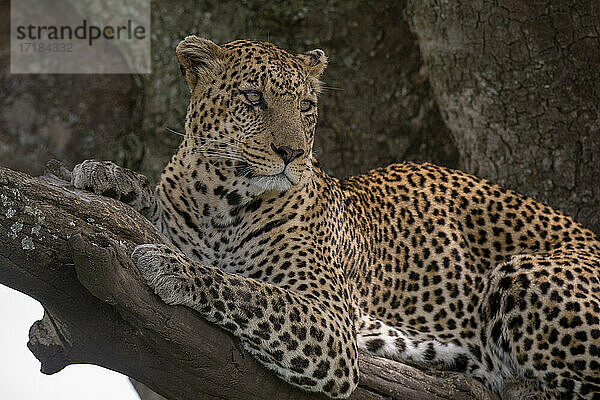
{"type": "Point", "coordinates": [278, 182]}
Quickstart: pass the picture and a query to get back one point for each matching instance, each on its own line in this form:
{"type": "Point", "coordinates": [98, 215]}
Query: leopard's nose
{"type": "Point", "coordinates": [286, 153]}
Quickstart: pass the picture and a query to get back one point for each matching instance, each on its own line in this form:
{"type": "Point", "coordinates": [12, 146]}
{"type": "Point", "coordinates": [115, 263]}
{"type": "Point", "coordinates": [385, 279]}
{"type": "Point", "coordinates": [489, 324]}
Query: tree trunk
{"type": "Point", "coordinates": [518, 84]}
{"type": "Point", "coordinates": [70, 249]}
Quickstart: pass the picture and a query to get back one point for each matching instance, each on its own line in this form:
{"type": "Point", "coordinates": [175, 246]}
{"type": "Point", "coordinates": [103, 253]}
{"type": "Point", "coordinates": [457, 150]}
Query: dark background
{"type": "Point", "coordinates": [506, 90]}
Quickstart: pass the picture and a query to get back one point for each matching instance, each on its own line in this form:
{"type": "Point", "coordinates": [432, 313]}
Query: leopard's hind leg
{"type": "Point", "coordinates": [378, 338]}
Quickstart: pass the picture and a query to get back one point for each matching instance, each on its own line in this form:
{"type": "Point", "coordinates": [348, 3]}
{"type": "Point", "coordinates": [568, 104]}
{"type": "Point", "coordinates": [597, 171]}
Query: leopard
{"type": "Point", "coordinates": [412, 262]}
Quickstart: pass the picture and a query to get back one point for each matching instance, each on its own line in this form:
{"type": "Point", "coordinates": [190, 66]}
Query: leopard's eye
{"type": "Point", "coordinates": [254, 97]}
{"type": "Point", "coordinates": [306, 105]}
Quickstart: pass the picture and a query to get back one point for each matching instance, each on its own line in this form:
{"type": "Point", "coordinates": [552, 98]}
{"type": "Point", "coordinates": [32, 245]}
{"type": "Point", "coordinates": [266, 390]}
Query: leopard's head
{"type": "Point", "coordinates": [253, 110]}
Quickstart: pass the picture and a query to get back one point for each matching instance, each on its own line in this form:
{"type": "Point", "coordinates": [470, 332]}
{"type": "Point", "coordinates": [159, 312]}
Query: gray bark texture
{"type": "Point", "coordinates": [70, 249]}
{"type": "Point", "coordinates": [518, 83]}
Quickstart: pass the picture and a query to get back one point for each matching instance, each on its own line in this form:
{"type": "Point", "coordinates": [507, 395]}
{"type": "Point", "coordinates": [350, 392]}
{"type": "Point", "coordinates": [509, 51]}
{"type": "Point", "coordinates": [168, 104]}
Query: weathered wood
{"type": "Point", "coordinates": [70, 249]}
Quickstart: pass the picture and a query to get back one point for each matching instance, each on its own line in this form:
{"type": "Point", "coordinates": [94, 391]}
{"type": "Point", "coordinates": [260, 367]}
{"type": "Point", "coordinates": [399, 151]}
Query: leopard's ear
{"type": "Point", "coordinates": [199, 60]}
{"type": "Point", "coordinates": [315, 60]}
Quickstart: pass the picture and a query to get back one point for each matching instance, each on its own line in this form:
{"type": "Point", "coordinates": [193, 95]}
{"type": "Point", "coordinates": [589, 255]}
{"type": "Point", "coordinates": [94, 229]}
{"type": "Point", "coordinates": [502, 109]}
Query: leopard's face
{"type": "Point", "coordinates": [253, 110]}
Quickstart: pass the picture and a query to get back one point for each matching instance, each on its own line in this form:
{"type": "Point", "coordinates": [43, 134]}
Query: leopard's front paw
{"type": "Point", "coordinates": [162, 268]}
{"type": "Point", "coordinates": [108, 179]}
{"type": "Point", "coordinates": [100, 177]}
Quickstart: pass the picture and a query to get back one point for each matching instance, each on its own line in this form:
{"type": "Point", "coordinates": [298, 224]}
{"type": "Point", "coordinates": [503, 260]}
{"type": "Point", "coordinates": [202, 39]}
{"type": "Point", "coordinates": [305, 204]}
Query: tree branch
{"type": "Point", "coordinates": [70, 249]}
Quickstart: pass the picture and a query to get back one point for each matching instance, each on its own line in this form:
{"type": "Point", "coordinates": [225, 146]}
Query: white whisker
{"type": "Point", "coordinates": [222, 142]}
{"type": "Point", "coordinates": [174, 131]}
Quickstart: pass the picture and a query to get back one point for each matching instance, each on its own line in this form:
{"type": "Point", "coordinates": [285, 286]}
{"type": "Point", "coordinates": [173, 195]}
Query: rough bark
{"type": "Point", "coordinates": [518, 84]}
{"type": "Point", "coordinates": [69, 250]}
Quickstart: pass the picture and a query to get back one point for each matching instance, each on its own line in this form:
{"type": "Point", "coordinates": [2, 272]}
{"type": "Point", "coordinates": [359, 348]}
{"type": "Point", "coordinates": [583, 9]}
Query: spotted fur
{"type": "Point", "coordinates": [413, 262]}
